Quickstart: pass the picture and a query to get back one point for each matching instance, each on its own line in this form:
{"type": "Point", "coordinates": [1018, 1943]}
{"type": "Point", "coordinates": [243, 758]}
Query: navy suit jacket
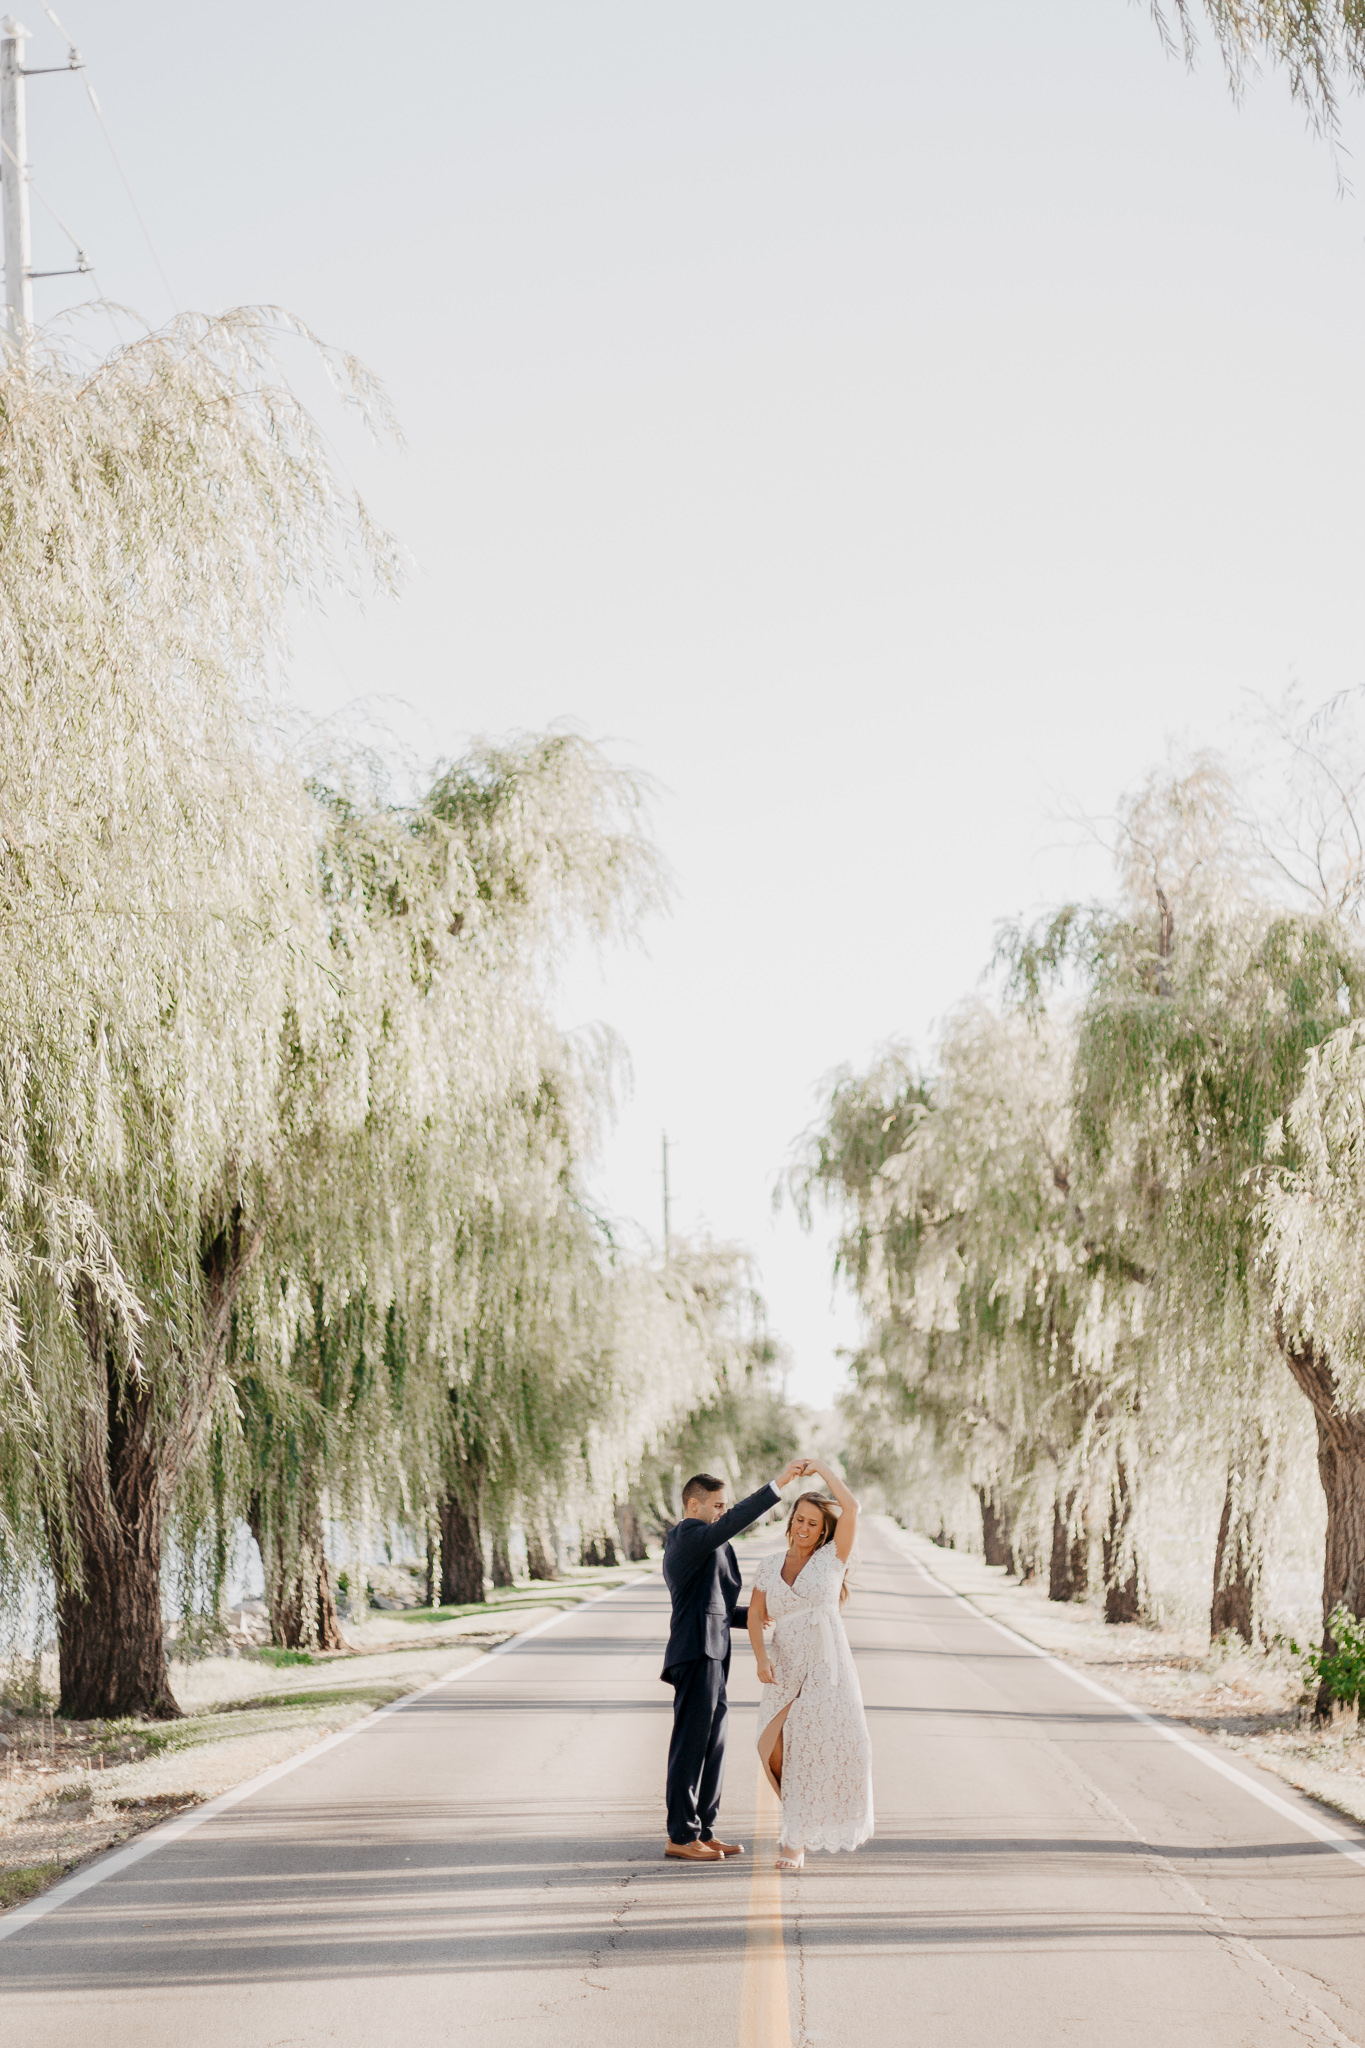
{"type": "Point", "coordinates": [703, 1580]}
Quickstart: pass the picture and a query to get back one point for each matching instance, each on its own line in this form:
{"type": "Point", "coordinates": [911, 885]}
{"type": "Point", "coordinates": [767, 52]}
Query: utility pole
{"type": "Point", "coordinates": [14, 182]}
{"type": "Point", "coordinates": [668, 1206]}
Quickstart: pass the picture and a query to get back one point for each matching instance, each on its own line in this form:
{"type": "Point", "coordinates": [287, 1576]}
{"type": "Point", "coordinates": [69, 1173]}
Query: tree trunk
{"type": "Point", "coordinates": [298, 1586]}
{"type": "Point", "coordinates": [599, 1550]}
{"type": "Point", "coordinates": [995, 1530]}
{"type": "Point", "coordinates": [502, 1562]}
{"type": "Point", "coordinates": [111, 1638]}
{"type": "Point", "coordinates": [632, 1535]}
{"type": "Point", "coordinates": [309, 1619]}
{"type": "Point", "coordinates": [1069, 1566]}
{"type": "Point", "coordinates": [1122, 1597]}
{"type": "Point", "coordinates": [431, 1572]}
{"type": "Point", "coordinates": [1341, 1468]}
{"type": "Point", "coordinates": [461, 1555]}
{"type": "Point", "coordinates": [540, 1556]}
{"type": "Point", "coordinates": [1233, 1611]}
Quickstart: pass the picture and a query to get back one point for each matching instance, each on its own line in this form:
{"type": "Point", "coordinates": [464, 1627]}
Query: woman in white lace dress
{"type": "Point", "coordinates": [812, 1736]}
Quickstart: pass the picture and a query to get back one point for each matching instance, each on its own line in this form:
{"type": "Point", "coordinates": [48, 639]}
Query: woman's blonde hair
{"type": "Point", "coordinates": [829, 1514]}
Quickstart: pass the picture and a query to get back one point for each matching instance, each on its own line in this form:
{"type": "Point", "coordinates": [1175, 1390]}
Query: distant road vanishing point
{"type": "Point", "coordinates": [484, 1865]}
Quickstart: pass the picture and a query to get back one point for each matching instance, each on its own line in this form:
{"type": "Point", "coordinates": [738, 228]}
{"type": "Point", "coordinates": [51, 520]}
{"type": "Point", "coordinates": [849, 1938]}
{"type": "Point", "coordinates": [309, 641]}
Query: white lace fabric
{"type": "Point", "coordinates": [826, 1788]}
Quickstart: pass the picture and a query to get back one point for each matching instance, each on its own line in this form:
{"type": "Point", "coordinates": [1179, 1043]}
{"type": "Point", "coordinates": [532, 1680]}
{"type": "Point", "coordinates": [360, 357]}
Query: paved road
{"type": "Point", "coordinates": [485, 1866]}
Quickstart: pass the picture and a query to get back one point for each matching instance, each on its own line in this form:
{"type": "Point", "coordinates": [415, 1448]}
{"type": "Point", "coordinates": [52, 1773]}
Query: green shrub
{"type": "Point", "coordinates": [268, 1654]}
{"type": "Point", "coordinates": [1341, 1670]}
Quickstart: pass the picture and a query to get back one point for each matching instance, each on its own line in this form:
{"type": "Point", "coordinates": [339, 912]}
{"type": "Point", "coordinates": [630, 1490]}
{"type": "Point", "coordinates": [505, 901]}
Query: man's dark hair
{"type": "Point", "coordinates": [702, 1482]}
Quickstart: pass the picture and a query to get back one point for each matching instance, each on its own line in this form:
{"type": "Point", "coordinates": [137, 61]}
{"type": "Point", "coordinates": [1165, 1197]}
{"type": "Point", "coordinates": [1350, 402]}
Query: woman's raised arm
{"type": "Point", "coordinates": [848, 1510]}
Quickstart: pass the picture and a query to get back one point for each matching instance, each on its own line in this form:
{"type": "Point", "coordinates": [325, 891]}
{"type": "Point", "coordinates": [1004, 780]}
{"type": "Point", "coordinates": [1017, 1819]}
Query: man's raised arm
{"type": "Point", "coordinates": [738, 1518]}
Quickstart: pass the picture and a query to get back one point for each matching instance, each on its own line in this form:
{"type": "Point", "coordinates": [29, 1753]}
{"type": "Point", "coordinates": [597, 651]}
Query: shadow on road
{"type": "Point", "coordinates": [303, 1893]}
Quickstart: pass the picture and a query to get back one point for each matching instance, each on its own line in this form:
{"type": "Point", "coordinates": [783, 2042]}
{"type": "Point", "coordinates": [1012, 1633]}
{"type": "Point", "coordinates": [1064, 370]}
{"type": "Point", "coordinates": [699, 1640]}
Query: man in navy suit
{"type": "Point", "coordinates": [703, 1580]}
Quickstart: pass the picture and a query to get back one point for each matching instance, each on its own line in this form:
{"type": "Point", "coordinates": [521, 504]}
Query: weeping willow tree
{"type": "Point", "coordinates": [294, 1223]}
{"type": "Point", "coordinates": [419, 1330]}
{"type": "Point", "coordinates": [163, 956]}
{"type": "Point", "coordinates": [553, 857]}
{"type": "Point", "coordinates": [294, 1216]}
{"type": "Point", "coordinates": [1202, 994]}
{"type": "Point", "coordinates": [457, 1342]}
{"type": "Point", "coordinates": [1059, 1237]}
{"type": "Point", "coordinates": [994, 1330]}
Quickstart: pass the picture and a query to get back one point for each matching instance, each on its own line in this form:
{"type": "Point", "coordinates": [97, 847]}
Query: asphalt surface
{"type": "Point", "coordinates": [485, 1865]}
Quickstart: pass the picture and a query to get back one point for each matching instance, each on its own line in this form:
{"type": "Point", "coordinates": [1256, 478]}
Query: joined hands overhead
{"type": "Point", "coordinates": [806, 1468]}
{"type": "Point", "coordinates": [799, 1468]}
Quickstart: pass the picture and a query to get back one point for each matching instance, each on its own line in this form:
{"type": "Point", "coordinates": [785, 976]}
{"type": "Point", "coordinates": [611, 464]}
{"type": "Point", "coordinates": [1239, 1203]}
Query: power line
{"type": "Point", "coordinates": [83, 265]}
{"type": "Point", "coordinates": [161, 269]}
{"type": "Point", "coordinates": [77, 65]}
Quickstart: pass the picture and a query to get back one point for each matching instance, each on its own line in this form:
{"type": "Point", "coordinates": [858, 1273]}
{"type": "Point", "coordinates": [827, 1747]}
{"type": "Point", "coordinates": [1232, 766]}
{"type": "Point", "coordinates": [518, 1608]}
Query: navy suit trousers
{"type": "Point", "coordinates": [696, 1753]}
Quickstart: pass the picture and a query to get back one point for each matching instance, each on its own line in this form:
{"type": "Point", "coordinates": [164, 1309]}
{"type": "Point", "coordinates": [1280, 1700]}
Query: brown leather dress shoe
{"type": "Point", "coordinates": [695, 1852]}
{"type": "Point", "coordinates": [726, 1848]}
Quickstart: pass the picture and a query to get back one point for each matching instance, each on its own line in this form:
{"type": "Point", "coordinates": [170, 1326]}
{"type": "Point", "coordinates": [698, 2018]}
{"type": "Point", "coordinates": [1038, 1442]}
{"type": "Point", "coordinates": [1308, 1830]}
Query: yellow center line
{"type": "Point", "coordinates": [764, 2016]}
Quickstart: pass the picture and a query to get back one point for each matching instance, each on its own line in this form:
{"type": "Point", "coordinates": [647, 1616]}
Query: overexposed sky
{"type": "Point", "coordinates": [884, 423]}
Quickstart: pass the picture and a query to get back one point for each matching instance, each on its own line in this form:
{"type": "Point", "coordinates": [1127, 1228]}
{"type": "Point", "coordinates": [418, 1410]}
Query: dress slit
{"type": "Point", "coordinates": [767, 1741]}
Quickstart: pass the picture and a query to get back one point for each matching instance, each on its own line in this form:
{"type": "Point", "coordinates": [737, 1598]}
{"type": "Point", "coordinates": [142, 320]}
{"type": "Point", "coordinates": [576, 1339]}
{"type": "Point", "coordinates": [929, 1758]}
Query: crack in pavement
{"type": "Point", "coordinates": [615, 1930]}
{"type": "Point", "coordinates": [547, 2008]}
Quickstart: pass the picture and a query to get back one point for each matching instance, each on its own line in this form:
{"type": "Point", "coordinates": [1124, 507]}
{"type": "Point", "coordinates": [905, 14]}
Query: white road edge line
{"type": "Point", "coordinates": [80, 1881]}
{"type": "Point", "coordinates": [1311, 1825]}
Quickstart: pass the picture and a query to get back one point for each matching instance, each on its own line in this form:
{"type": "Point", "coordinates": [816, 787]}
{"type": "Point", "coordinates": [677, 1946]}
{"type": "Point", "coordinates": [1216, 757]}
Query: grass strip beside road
{"type": "Point", "coordinates": [552, 1593]}
{"type": "Point", "coordinates": [18, 1885]}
